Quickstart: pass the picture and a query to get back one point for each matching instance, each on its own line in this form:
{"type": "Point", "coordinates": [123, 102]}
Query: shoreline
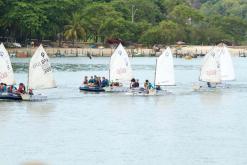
{"type": "Point", "coordinates": [178, 51]}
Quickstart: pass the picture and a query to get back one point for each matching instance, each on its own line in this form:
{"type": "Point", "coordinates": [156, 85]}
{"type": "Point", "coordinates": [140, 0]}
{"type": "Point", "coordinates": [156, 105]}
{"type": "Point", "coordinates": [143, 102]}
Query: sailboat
{"type": "Point", "coordinates": [210, 70]}
{"type": "Point", "coordinates": [217, 68]}
{"type": "Point", "coordinates": [164, 74]}
{"type": "Point", "coordinates": [40, 75]}
{"type": "Point", "coordinates": [120, 71]}
{"type": "Point", "coordinates": [9, 74]}
{"type": "Point", "coordinates": [6, 74]}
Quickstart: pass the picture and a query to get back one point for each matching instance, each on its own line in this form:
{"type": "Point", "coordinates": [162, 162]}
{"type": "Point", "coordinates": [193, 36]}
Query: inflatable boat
{"type": "Point", "coordinates": [10, 96]}
{"type": "Point", "coordinates": [91, 89]}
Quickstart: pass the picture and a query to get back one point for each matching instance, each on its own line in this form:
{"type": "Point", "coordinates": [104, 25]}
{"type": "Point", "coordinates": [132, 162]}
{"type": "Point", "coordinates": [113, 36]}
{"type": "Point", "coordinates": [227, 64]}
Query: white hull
{"type": "Point", "coordinates": [141, 92]}
{"type": "Point", "coordinates": [27, 97]}
{"type": "Point", "coordinates": [204, 88]}
{"type": "Point", "coordinates": [116, 89]}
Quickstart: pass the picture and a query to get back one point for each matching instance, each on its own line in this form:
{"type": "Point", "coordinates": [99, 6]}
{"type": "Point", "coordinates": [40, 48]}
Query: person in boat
{"type": "Point", "coordinates": [148, 85]}
{"type": "Point", "coordinates": [95, 78]}
{"type": "Point", "coordinates": [209, 84]}
{"type": "Point", "coordinates": [91, 81]}
{"type": "Point", "coordinates": [104, 82]}
{"type": "Point", "coordinates": [30, 91]}
{"type": "Point", "coordinates": [132, 83]}
{"type": "Point", "coordinates": [4, 87]}
{"type": "Point", "coordinates": [136, 84]}
{"type": "Point", "coordinates": [1, 87]}
{"type": "Point", "coordinates": [21, 88]}
{"type": "Point", "coordinates": [158, 88]}
{"type": "Point", "coordinates": [12, 89]}
{"type": "Point", "coordinates": [85, 81]}
{"type": "Point", "coordinates": [97, 82]}
{"type": "Point", "coordinates": [115, 84]}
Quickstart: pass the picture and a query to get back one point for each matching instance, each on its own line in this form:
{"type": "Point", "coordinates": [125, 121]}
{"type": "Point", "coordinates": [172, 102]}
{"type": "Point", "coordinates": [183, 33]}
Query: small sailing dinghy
{"type": "Point", "coordinates": [6, 75]}
{"type": "Point", "coordinates": [40, 75]}
{"type": "Point", "coordinates": [120, 70]}
{"type": "Point", "coordinates": [164, 75]}
{"type": "Point", "coordinates": [217, 68]}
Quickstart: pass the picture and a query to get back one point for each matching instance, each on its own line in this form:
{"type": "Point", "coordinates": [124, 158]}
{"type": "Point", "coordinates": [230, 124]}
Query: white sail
{"type": "Point", "coordinates": [165, 69]}
{"type": "Point", "coordinates": [120, 67]}
{"type": "Point", "coordinates": [226, 65]}
{"type": "Point", "coordinates": [210, 71]}
{"type": "Point", "coordinates": [40, 71]}
{"type": "Point", "coordinates": [6, 70]}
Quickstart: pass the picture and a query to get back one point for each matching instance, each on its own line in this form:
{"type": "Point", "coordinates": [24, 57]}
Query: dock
{"type": "Point", "coordinates": [178, 52]}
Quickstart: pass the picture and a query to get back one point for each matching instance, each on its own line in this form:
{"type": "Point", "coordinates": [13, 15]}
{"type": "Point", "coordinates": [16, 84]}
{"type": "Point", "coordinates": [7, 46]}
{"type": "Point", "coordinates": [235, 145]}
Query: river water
{"type": "Point", "coordinates": [74, 128]}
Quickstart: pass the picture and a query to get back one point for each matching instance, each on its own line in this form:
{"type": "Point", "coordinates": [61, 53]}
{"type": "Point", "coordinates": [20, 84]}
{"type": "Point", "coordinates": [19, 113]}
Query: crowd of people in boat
{"type": "Point", "coordinates": [95, 81]}
{"type": "Point", "coordinates": [4, 88]}
{"type": "Point", "coordinates": [134, 83]}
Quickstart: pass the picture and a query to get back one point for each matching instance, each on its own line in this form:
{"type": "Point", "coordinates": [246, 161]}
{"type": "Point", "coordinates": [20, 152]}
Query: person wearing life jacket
{"type": "Point", "coordinates": [10, 89]}
{"type": "Point", "coordinates": [21, 88]}
{"type": "Point", "coordinates": [1, 87]}
{"type": "Point", "coordinates": [158, 88]}
{"type": "Point", "coordinates": [148, 85]}
{"type": "Point", "coordinates": [4, 88]}
{"type": "Point", "coordinates": [91, 81]}
{"type": "Point", "coordinates": [104, 82]}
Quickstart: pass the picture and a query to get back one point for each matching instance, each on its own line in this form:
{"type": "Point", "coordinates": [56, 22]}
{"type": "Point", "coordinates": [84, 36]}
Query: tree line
{"type": "Point", "coordinates": [134, 21]}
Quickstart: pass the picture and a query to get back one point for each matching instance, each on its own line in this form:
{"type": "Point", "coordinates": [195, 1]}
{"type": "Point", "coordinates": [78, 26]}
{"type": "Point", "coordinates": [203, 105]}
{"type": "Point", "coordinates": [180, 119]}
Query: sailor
{"type": "Point", "coordinates": [97, 82]}
{"type": "Point", "coordinates": [158, 87]}
{"type": "Point", "coordinates": [136, 84]}
{"type": "Point", "coordinates": [85, 82]}
{"type": "Point", "coordinates": [148, 85]}
{"type": "Point", "coordinates": [1, 87]}
{"type": "Point", "coordinates": [22, 88]}
{"type": "Point", "coordinates": [95, 79]}
{"type": "Point", "coordinates": [132, 83]}
{"type": "Point", "coordinates": [30, 91]}
{"type": "Point", "coordinates": [10, 89]}
{"type": "Point", "coordinates": [209, 85]}
{"type": "Point", "coordinates": [104, 82]}
{"type": "Point", "coordinates": [4, 87]}
{"type": "Point", "coordinates": [91, 81]}
{"type": "Point", "coordinates": [115, 84]}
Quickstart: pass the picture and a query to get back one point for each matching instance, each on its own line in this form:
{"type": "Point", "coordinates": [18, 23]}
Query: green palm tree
{"type": "Point", "coordinates": [74, 30]}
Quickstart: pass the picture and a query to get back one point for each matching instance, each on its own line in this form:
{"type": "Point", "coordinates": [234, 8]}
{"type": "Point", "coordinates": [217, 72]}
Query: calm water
{"type": "Point", "coordinates": [73, 128]}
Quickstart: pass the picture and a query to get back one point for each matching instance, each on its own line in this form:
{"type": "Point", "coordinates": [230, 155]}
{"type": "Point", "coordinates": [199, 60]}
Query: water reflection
{"type": "Point", "coordinates": [211, 98]}
{"type": "Point", "coordinates": [164, 101]}
{"type": "Point", "coordinates": [40, 108]}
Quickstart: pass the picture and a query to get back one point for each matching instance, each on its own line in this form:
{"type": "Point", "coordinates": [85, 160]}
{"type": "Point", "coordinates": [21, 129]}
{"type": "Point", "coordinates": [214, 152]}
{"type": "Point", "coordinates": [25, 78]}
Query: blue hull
{"type": "Point", "coordinates": [9, 96]}
{"type": "Point", "coordinates": [92, 89]}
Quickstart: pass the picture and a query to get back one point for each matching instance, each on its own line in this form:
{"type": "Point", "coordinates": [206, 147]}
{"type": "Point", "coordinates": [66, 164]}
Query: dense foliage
{"type": "Point", "coordinates": [135, 21]}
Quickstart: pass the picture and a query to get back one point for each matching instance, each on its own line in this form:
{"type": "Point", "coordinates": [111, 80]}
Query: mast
{"type": "Point", "coordinates": [155, 71]}
{"type": "Point", "coordinates": [109, 74]}
{"type": "Point", "coordinates": [28, 74]}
